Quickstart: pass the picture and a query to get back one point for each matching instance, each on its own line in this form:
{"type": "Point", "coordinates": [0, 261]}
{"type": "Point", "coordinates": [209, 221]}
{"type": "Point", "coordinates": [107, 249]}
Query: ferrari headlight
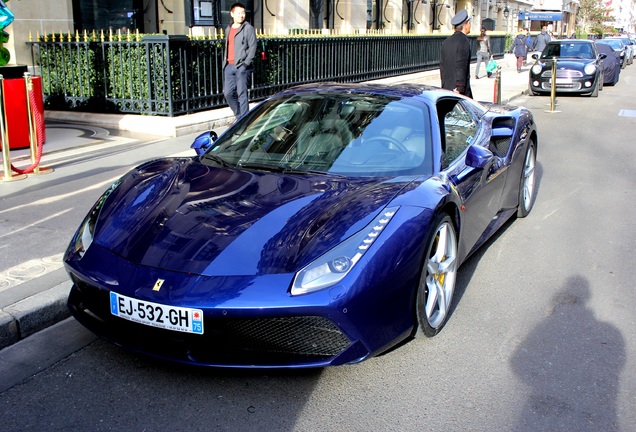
{"type": "Point", "coordinates": [84, 235]}
{"type": "Point", "coordinates": [333, 266]}
{"type": "Point", "coordinates": [589, 69]}
{"type": "Point", "coordinates": [537, 68]}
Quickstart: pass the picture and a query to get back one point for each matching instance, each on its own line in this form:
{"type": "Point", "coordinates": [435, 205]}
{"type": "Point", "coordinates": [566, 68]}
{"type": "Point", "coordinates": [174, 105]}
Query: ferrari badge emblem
{"type": "Point", "coordinates": [158, 284]}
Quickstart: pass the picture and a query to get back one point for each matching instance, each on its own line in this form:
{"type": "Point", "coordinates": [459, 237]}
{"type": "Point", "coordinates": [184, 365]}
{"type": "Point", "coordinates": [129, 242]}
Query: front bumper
{"type": "Point", "coordinates": [582, 85]}
{"type": "Point", "coordinates": [249, 321]}
{"type": "Point", "coordinates": [267, 342]}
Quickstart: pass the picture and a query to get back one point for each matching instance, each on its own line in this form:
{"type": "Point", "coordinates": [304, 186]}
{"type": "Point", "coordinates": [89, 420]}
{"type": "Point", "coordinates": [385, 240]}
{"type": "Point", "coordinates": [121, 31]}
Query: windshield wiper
{"type": "Point", "coordinates": [285, 169]}
{"type": "Point", "coordinates": [261, 166]}
{"type": "Point", "coordinates": [218, 159]}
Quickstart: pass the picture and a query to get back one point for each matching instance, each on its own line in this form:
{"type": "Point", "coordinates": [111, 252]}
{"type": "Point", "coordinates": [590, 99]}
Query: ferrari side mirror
{"type": "Point", "coordinates": [478, 156]}
{"type": "Point", "coordinates": [203, 142]}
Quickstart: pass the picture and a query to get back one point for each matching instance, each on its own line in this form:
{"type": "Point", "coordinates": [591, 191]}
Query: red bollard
{"type": "Point", "coordinates": [17, 116]}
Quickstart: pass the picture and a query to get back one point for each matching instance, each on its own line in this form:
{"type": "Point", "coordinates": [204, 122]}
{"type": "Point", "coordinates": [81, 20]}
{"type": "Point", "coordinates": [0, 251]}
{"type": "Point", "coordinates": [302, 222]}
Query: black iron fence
{"type": "Point", "coordinates": [174, 75]}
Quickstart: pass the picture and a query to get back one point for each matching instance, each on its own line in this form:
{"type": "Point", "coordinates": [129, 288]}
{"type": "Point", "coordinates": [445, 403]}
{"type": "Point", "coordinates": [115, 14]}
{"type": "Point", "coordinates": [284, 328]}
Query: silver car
{"type": "Point", "coordinates": [630, 48]}
{"type": "Point", "coordinates": [619, 48]}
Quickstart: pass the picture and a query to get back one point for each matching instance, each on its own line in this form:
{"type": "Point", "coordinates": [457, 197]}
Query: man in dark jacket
{"type": "Point", "coordinates": [240, 50]}
{"type": "Point", "coordinates": [541, 40]}
{"type": "Point", "coordinates": [454, 67]}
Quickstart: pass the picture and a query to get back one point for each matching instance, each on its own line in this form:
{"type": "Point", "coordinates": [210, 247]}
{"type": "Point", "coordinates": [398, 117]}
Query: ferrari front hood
{"type": "Point", "coordinates": [181, 215]}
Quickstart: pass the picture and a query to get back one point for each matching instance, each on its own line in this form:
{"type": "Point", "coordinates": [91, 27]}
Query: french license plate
{"type": "Point", "coordinates": [564, 80]}
{"type": "Point", "coordinates": [157, 315]}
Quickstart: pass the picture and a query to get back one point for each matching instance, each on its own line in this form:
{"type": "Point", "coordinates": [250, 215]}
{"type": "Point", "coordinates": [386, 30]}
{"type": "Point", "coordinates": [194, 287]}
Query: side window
{"type": "Point", "coordinates": [460, 128]}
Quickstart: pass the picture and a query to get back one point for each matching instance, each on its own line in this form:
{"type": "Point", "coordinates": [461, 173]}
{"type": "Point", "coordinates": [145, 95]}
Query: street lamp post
{"type": "Point", "coordinates": [506, 14]}
{"type": "Point", "coordinates": [563, 8]}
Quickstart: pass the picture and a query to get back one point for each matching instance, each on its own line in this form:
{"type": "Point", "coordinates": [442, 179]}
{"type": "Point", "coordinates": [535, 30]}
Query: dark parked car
{"type": "Point", "coordinates": [578, 68]}
{"type": "Point", "coordinates": [324, 227]}
{"type": "Point", "coordinates": [611, 64]}
{"type": "Point", "coordinates": [619, 48]}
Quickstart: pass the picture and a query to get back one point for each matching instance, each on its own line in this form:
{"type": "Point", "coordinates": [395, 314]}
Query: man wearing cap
{"type": "Point", "coordinates": [454, 67]}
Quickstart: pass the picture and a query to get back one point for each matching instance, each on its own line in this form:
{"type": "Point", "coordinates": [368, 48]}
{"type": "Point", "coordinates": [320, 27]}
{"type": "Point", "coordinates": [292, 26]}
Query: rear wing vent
{"type": "Point", "coordinates": [501, 136]}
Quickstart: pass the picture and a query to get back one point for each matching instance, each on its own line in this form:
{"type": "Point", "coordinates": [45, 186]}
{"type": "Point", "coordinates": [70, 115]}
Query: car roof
{"type": "Point", "coordinates": [605, 48]}
{"type": "Point", "coordinates": [403, 90]}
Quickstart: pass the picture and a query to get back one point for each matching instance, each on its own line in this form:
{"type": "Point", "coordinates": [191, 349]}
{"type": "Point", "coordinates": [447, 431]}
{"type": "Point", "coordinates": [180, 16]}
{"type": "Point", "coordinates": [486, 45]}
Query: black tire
{"type": "Point", "coordinates": [438, 277]}
{"type": "Point", "coordinates": [527, 182]}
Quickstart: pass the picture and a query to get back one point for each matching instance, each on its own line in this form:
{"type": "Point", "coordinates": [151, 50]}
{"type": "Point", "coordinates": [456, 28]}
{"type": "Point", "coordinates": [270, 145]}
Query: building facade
{"type": "Point", "coordinates": [203, 17]}
{"type": "Point", "coordinates": [624, 13]}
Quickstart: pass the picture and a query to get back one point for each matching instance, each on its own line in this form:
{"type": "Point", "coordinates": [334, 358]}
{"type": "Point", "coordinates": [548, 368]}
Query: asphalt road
{"type": "Point", "coordinates": [542, 335]}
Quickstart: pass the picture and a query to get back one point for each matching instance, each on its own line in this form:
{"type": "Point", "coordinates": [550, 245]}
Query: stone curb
{"type": "Point", "coordinates": [33, 314]}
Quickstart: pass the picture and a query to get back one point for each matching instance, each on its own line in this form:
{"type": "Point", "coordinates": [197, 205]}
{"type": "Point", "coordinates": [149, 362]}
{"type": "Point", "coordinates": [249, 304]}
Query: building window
{"type": "Point", "coordinates": [320, 14]}
{"type": "Point", "coordinates": [374, 14]}
{"type": "Point", "coordinates": [124, 15]}
{"type": "Point", "coordinates": [226, 19]}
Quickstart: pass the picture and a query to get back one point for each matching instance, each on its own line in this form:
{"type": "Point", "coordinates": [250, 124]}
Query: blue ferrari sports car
{"type": "Point", "coordinates": [323, 228]}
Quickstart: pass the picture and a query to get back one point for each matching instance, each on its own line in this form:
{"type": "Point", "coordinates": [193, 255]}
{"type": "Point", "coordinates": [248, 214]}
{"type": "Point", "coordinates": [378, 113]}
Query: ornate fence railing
{"type": "Point", "coordinates": [175, 75]}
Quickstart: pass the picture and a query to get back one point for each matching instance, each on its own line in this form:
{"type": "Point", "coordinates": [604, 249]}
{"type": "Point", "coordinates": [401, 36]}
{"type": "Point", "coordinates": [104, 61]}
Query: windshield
{"type": "Point", "coordinates": [568, 50]}
{"type": "Point", "coordinates": [336, 133]}
{"type": "Point", "coordinates": [614, 43]}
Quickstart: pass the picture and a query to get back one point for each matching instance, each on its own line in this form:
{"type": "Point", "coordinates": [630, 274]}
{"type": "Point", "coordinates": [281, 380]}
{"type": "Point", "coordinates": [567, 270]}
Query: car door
{"type": "Point", "coordinates": [479, 188]}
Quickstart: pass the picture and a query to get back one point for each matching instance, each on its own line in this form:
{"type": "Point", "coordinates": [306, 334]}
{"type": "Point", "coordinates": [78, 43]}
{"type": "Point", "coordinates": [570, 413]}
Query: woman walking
{"type": "Point", "coordinates": [520, 49]}
{"type": "Point", "coordinates": [483, 52]}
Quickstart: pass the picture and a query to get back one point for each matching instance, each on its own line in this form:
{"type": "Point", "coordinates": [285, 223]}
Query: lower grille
{"type": "Point", "coordinates": [568, 86]}
{"type": "Point", "coordinates": [301, 335]}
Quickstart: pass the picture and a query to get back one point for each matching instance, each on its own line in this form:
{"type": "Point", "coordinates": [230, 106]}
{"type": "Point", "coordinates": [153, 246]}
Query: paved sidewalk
{"type": "Point", "coordinates": [513, 84]}
{"type": "Point", "coordinates": [33, 291]}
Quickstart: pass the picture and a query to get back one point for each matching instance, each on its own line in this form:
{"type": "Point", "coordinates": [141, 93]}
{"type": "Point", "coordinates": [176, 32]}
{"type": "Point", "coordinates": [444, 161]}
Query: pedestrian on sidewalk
{"type": "Point", "coordinates": [520, 49]}
{"type": "Point", "coordinates": [541, 41]}
{"type": "Point", "coordinates": [454, 66]}
{"type": "Point", "coordinates": [238, 60]}
{"type": "Point", "coordinates": [529, 42]}
{"type": "Point", "coordinates": [484, 51]}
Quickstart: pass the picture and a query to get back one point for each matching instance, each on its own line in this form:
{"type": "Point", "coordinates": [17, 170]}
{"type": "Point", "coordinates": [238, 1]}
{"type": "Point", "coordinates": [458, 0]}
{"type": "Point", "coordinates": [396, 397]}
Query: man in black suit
{"type": "Point", "coordinates": [454, 66]}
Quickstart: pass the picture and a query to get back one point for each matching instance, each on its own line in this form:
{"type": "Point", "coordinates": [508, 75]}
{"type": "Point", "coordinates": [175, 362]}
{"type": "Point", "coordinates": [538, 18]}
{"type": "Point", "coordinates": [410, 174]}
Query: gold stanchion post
{"type": "Point", "coordinates": [553, 86]}
{"type": "Point", "coordinates": [497, 89]}
{"type": "Point", "coordinates": [33, 134]}
{"type": "Point", "coordinates": [4, 137]}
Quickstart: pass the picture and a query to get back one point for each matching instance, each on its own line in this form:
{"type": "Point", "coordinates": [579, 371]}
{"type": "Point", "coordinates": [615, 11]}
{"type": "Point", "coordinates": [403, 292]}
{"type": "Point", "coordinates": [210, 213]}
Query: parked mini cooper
{"type": "Point", "coordinates": [578, 68]}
